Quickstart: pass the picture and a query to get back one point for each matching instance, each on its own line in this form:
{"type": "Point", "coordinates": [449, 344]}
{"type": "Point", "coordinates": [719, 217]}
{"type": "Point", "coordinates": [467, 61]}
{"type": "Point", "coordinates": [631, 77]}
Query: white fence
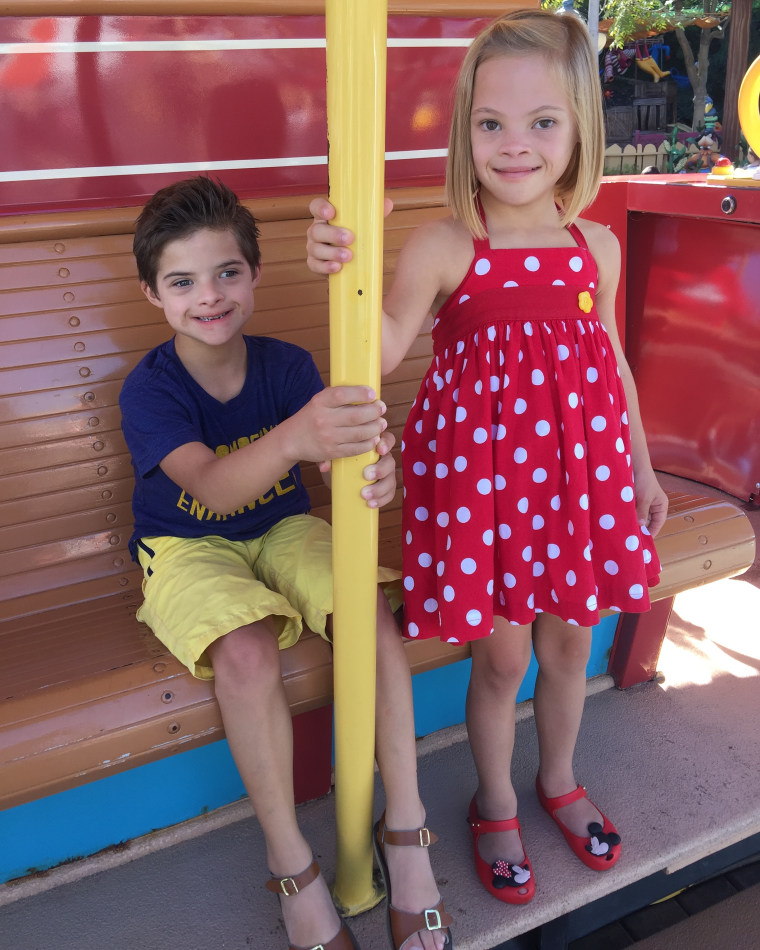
{"type": "Point", "coordinates": [631, 159]}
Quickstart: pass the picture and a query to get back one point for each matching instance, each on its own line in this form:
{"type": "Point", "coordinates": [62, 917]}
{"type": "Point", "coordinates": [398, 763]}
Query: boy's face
{"type": "Point", "coordinates": [205, 287]}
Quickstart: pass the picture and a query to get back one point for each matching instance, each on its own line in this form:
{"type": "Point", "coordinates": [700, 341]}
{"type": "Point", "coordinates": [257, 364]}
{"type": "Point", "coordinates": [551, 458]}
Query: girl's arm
{"type": "Point", "coordinates": [651, 500]}
{"type": "Point", "coordinates": [417, 284]}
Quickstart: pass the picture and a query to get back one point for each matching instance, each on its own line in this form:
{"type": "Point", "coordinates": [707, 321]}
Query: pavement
{"type": "Point", "coordinates": [673, 762]}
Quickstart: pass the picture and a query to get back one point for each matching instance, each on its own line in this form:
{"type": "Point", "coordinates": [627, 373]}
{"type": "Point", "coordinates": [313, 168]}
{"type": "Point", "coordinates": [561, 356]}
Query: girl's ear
{"type": "Point", "coordinates": [154, 298]}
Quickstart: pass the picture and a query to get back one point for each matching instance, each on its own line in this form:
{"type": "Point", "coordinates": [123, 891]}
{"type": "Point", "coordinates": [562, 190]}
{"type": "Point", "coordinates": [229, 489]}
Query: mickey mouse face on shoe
{"type": "Point", "coordinates": [601, 844]}
{"type": "Point", "coordinates": [505, 875]}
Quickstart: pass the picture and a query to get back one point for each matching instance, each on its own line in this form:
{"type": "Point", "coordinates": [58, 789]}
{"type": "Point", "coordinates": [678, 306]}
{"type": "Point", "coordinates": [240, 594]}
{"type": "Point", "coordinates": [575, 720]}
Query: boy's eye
{"type": "Point", "coordinates": [230, 272]}
{"type": "Point", "coordinates": [182, 282]}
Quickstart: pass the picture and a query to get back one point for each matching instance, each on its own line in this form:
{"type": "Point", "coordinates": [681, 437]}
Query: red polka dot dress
{"type": "Point", "coordinates": [518, 485]}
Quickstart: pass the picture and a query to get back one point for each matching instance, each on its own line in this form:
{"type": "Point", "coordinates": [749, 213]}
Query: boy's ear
{"type": "Point", "coordinates": [257, 276]}
{"type": "Point", "coordinates": [154, 298]}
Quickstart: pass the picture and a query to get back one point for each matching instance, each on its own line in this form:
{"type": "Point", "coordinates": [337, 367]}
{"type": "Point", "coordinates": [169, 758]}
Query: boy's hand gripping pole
{"type": "Point", "coordinates": [356, 32]}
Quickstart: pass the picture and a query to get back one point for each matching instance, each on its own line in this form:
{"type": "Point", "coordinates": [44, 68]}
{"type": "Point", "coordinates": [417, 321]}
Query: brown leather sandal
{"type": "Point", "coordinates": [290, 886]}
{"type": "Point", "coordinates": [403, 924]}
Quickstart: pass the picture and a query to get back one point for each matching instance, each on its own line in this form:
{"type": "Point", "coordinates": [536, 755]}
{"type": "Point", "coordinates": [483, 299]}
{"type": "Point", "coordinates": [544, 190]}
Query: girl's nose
{"type": "Point", "coordinates": [512, 143]}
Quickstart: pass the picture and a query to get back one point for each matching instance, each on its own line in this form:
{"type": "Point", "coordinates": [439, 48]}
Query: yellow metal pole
{"type": "Point", "coordinates": [356, 33]}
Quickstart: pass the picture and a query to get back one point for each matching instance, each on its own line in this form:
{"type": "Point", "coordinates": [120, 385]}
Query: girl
{"type": "Point", "coordinates": [521, 515]}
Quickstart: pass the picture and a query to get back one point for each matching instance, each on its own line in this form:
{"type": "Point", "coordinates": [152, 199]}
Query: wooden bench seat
{"type": "Point", "coordinates": [85, 690]}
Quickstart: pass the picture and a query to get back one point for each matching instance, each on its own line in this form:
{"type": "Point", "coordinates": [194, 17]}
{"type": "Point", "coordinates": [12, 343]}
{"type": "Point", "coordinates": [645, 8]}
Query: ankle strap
{"type": "Point", "coordinates": [290, 886]}
{"type": "Point", "coordinates": [415, 838]}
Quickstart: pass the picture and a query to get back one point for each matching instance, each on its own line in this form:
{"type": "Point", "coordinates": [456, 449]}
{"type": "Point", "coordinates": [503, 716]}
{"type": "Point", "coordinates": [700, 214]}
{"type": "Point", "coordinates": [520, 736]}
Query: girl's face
{"type": "Point", "coordinates": [522, 128]}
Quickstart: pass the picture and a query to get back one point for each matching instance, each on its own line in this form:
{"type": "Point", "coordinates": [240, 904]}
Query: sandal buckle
{"type": "Point", "coordinates": [433, 920]}
{"type": "Point", "coordinates": [285, 885]}
{"type": "Point", "coordinates": [424, 838]}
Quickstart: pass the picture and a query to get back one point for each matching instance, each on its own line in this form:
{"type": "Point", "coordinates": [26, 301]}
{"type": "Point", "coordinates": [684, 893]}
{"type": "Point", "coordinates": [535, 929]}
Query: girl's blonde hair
{"type": "Point", "coordinates": [564, 42]}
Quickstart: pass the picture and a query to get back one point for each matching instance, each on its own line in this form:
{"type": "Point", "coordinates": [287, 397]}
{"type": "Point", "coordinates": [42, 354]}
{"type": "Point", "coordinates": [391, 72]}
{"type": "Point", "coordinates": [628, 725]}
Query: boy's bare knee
{"type": "Point", "coordinates": [246, 656]}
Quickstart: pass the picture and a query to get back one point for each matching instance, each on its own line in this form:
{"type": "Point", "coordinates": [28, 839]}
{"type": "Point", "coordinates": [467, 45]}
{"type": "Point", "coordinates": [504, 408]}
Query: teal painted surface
{"type": "Point", "coordinates": [84, 820]}
{"type": "Point", "coordinates": [439, 694]}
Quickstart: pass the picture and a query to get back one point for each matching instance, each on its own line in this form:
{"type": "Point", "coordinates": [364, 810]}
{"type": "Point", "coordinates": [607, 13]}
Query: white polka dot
{"type": "Point", "coordinates": [460, 463]}
{"type": "Point", "coordinates": [489, 588]}
{"type": "Point", "coordinates": [495, 383]}
{"type": "Point", "coordinates": [440, 568]}
{"type": "Point", "coordinates": [647, 555]}
{"type": "Point", "coordinates": [570, 528]}
{"type": "Point", "coordinates": [602, 473]}
{"type": "Point", "coordinates": [587, 552]}
{"type": "Point", "coordinates": [591, 602]}
{"type": "Point", "coordinates": [421, 514]}
{"type": "Point", "coordinates": [527, 552]}
{"type": "Point", "coordinates": [479, 435]}
{"type": "Point", "coordinates": [468, 565]}
{"type": "Point", "coordinates": [408, 583]}
{"type": "Point", "coordinates": [478, 387]}
{"type": "Point", "coordinates": [636, 591]}
{"type": "Point", "coordinates": [430, 605]}
{"type": "Point", "coordinates": [460, 347]}
{"type": "Point", "coordinates": [461, 414]}
{"type": "Point", "coordinates": [611, 567]}
{"type": "Point", "coordinates": [520, 406]}
{"type": "Point", "coordinates": [501, 431]}
{"type": "Point", "coordinates": [510, 580]}
{"type": "Point", "coordinates": [431, 445]}
{"type": "Point", "coordinates": [464, 297]}
{"type": "Point", "coordinates": [543, 427]}
{"type": "Point", "coordinates": [488, 537]}
{"type": "Point", "coordinates": [418, 426]}
{"type": "Point", "coordinates": [443, 519]}
{"type": "Point", "coordinates": [592, 374]}
{"type": "Point", "coordinates": [484, 486]}
{"type": "Point", "coordinates": [576, 263]}
{"type": "Point", "coordinates": [538, 522]}
{"type": "Point", "coordinates": [627, 493]}
{"type": "Point", "coordinates": [537, 377]}
{"type": "Point", "coordinates": [555, 598]}
{"type": "Point", "coordinates": [598, 423]}
{"type": "Point", "coordinates": [624, 418]}
{"type": "Point", "coordinates": [552, 551]}
{"type": "Point", "coordinates": [505, 531]}
{"type": "Point", "coordinates": [539, 475]}
{"type": "Point", "coordinates": [538, 570]}
{"type": "Point", "coordinates": [632, 542]}
{"type": "Point", "coordinates": [606, 522]}
{"type": "Point", "coordinates": [620, 445]}
{"type": "Point", "coordinates": [452, 640]}
{"type": "Point", "coordinates": [482, 266]}
{"type": "Point", "coordinates": [532, 263]}
{"type": "Point", "coordinates": [562, 351]}
{"type": "Point", "coordinates": [492, 333]}
{"type": "Point", "coordinates": [570, 578]}
{"type": "Point", "coordinates": [528, 329]}
{"type": "Point", "coordinates": [521, 455]}
{"type": "Point", "coordinates": [424, 560]}
{"type": "Point", "coordinates": [555, 502]}
{"type": "Point", "coordinates": [511, 283]}
{"type": "Point", "coordinates": [419, 468]}
{"type": "Point", "coordinates": [441, 470]}
{"type": "Point", "coordinates": [463, 515]}
{"type": "Point", "coordinates": [412, 630]}
{"type": "Point", "coordinates": [408, 537]}
{"type": "Point", "coordinates": [448, 593]}
{"type": "Point", "coordinates": [578, 450]}
{"type": "Point", "coordinates": [473, 617]}
{"type": "Point", "coordinates": [572, 400]}
{"type": "Point", "coordinates": [522, 505]}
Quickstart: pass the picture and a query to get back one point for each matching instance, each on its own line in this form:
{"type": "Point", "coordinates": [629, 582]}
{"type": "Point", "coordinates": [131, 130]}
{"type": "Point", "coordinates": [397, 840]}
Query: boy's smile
{"type": "Point", "coordinates": [205, 287]}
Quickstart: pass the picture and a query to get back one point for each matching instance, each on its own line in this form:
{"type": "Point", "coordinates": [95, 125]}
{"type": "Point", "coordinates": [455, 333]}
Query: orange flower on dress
{"type": "Point", "coordinates": [585, 302]}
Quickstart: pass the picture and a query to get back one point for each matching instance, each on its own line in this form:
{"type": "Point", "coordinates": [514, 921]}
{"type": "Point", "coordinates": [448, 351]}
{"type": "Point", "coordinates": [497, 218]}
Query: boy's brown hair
{"type": "Point", "coordinates": [181, 209]}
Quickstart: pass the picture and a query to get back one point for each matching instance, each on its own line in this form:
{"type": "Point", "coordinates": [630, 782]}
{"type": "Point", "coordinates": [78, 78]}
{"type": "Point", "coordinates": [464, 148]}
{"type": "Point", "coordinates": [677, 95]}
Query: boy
{"type": "Point", "coordinates": [217, 422]}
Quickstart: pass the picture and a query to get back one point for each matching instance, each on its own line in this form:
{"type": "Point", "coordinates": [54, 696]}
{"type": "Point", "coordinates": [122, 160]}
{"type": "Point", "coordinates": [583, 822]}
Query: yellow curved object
{"type": "Point", "coordinates": [650, 66]}
{"type": "Point", "coordinates": [356, 53]}
{"type": "Point", "coordinates": [749, 109]}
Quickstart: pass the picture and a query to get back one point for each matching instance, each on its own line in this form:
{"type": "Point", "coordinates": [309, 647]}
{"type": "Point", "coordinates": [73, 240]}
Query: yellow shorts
{"type": "Point", "coordinates": [199, 589]}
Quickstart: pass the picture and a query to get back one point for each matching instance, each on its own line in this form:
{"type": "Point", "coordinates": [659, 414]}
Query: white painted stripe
{"type": "Point", "coordinates": [116, 171]}
{"type": "Point", "coordinates": [179, 46]}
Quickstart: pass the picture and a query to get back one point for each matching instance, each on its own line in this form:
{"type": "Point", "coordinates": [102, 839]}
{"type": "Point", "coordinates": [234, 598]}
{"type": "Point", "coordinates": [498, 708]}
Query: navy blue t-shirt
{"type": "Point", "coordinates": [163, 407]}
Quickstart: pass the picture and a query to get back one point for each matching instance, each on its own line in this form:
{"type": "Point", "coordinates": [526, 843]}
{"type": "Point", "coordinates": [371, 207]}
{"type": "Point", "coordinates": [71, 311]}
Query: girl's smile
{"type": "Point", "coordinates": [522, 128]}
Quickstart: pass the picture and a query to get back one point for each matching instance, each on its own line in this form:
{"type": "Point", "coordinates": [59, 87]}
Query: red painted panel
{"type": "Point", "coordinates": [694, 332]}
{"type": "Point", "coordinates": [102, 109]}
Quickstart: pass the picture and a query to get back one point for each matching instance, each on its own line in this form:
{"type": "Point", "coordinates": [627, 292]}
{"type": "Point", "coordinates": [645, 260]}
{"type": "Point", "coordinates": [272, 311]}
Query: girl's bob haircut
{"type": "Point", "coordinates": [565, 44]}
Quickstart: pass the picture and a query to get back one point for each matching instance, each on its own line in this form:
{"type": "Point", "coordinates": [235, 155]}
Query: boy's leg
{"type": "Point", "coordinates": [412, 880]}
{"type": "Point", "coordinates": [499, 663]}
{"type": "Point", "coordinates": [562, 651]}
{"type": "Point", "coordinates": [251, 696]}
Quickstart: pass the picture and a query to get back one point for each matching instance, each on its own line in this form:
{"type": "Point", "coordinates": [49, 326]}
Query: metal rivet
{"type": "Point", "coordinates": [59, 248]}
{"type": "Point", "coordinates": [167, 697]}
{"type": "Point", "coordinates": [118, 562]}
{"type": "Point", "coordinates": [84, 372]}
{"type": "Point", "coordinates": [74, 321]}
{"type": "Point", "coordinates": [123, 582]}
{"type": "Point", "coordinates": [69, 297]}
{"type": "Point", "coordinates": [93, 421]}
{"type": "Point", "coordinates": [64, 272]}
{"type": "Point", "coordinates": [159, 667]}
{"type": "Point", "coordinates": [79, 347]}
{"type": "Point", "coordinates": [702, 539]}
{"type": "Point", "coordinates": [113, 540]}
{"type": "Point", "coordinates": [107, 494]}
{"type": "Point", "coordinates": [102, 470]}
{"type": "Point", "coordinates": [688, 518]}
{"type": "Point", "coordinates": [90, 397]}
{"type": "Point", "coordinates": [707, 565]}
{"type": "Point", "coordinates": [110, 517]}
{"type": "Point", "coordinates": [173, 728]}
{"type": "Point", "coordinates": [98, 446]}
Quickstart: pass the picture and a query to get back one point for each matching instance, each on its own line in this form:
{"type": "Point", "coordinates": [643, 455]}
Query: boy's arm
{"type": "Point", "coordinates": [338, 422]}
{"type": "Point", "coordinates": [381, 474]}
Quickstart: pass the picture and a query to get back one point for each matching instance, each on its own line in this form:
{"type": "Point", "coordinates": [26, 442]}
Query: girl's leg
{"type": "Point", "coordinates": [412, 881]}
{"type": "Point", "coordinates": [499, 663]}
{"type": "Point", "coordinates": [251, 696]}
{"type": "Point", "coordinates": [562, 651]}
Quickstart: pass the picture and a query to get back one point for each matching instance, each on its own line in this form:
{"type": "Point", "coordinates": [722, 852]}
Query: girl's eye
{"type": "Point", "coordinates": [489, 125]}
{"type": "Point", "coordinates": [545, 123]}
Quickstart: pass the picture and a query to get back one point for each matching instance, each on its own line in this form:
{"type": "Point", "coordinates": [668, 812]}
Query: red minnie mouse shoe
{"type": "Point", "coordinates": [602, 848]}
{"type": "Point", "coordinates": [510, 883]}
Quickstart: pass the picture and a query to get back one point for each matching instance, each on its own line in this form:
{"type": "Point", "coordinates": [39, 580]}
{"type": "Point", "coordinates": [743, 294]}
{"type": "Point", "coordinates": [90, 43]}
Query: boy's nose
{"type": "Point", "coordinates": [209, 292]}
